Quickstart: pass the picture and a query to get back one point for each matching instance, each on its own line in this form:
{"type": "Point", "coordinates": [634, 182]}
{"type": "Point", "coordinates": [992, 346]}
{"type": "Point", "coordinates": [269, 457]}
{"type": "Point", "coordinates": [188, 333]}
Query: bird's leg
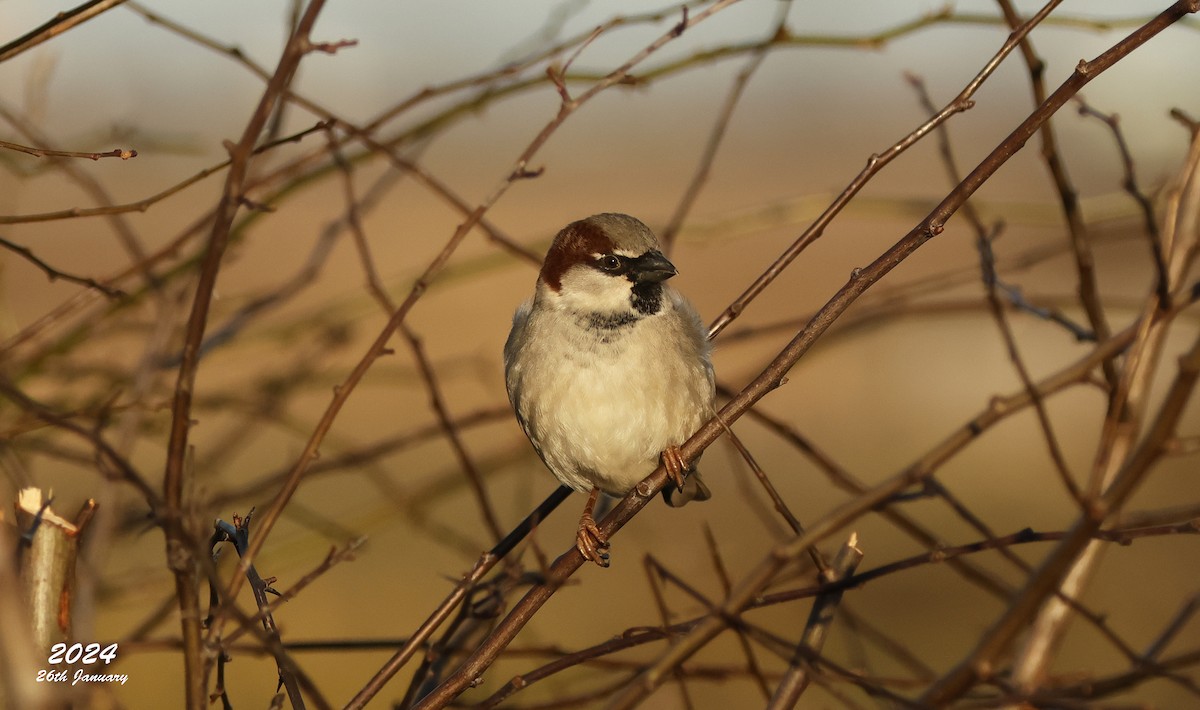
{"type": "Point", "coordinates": [588, 539]}
{"type": "Point", "coordinates": [673, 462]}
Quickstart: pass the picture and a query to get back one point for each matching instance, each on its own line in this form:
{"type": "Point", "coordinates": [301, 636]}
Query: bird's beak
{"type": "Point", "coordinates": [651, 267]}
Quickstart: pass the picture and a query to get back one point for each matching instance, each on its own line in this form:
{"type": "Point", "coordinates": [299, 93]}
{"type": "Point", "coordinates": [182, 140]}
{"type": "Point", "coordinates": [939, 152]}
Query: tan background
{"type": "Point", "coordinates": [873, 397]}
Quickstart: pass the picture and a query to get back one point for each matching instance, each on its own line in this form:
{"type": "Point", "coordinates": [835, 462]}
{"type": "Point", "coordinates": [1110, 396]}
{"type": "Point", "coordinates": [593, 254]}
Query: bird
{"type": "Point", "coordinates": [608, 368]}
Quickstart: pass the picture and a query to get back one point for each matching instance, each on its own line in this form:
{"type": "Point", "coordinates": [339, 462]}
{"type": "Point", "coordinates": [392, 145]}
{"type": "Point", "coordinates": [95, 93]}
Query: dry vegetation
{"type": "Point", "coordinates": [137, 390]}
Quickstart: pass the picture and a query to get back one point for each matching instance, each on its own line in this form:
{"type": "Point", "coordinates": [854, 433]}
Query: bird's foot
{"type": "Point", "coordinates": [673, 461]}
{"type": "Point", "coordinates": [590, 541]}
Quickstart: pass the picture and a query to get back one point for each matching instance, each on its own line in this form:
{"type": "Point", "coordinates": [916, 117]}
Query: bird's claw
{"type": "Point", "coordinates": [590, 541]}
{"type": "Point", "coordinates": [673, 461]}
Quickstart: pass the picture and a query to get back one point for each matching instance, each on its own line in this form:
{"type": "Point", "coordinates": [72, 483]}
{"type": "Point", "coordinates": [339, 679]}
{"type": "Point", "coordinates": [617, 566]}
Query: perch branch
{"type": "Point", "coordinates": [875, 163]}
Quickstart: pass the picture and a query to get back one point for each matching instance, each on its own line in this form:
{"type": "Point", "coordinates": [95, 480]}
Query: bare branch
{"type": "Point", "coordinates": [60, 23]}
{"type": "Point", "coordinates": [54, 274]}
{"type": "Point", "coordinates": [122, 153]}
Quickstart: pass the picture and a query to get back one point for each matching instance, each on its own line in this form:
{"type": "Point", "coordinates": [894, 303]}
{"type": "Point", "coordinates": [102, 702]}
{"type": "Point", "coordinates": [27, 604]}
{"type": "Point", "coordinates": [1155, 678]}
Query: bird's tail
{"type": "Point", "coordinates": [693, 489]}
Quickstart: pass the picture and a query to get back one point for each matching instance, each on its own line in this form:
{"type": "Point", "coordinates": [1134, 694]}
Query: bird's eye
{"type": "Point", "coordinates": [608, 262]}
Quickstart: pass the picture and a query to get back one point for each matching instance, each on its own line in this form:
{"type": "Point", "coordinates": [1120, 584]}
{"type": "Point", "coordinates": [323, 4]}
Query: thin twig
{"type": "Point", "coordinates": [1130, 185]}
{"type": "Point", "coordinates": [984, 239]}
{"type": "Point", "coordinates": [54, 274]}
{"type": "Point", "coordinates": [875, 163]}
{"type": "Point", "coordinates": [719, 567]}
{"type": "Point", "coordinates": [720, 128]}
{"type": "Point", "coordinates": [1127, 410]}
{"type": "Point", "coordinates": [798, 675]}
{"type": "Point", "coordinates": [468, 582]}
{"type": "Point", "coordinates": [978, 663]}
{"type": "Point", "coordinates": [654, 574]}
{"type": "Point", "coordinates": [55, 26]}
{"type": "Point", "coordinates": [1089, 289]}
{"type": "Point", "coordinates": [860, 280]}
{"type": "Point", "coordinates": [122, 153]}
{"type": "Point", "coordinates": [113, 464]}
{"type": "Point", "coordinates": [147, 202]}
{"type": "Point", "coordinates": [238, 534]}
{"type": "Point", "coordinates": [180, 548]}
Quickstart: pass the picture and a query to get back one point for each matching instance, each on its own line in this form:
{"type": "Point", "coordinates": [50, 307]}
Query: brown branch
{"type": "Point", "coordinates": [54, 274]}
{"type": "Point", "coordinates": [122, 153]}
{"type": "Point", "coordinates": [860, 280]}
{"type": "Point", "coordinates": [331, 47]}
{"type": "Point", "coordinates": [438, 403]}
{"type": "Point", "coordinates": [1122, 472]}
{"type": "Point", "coordinates": [1130, 185]}
{"type": "Point", "coordinates": [777, 501]}
{"type": "Point", "coordinates": [465, 585]}
{"type": "Point", "coordinates": [1127, 405]}
{"type": "Point", "coordinates": [342, 392]}
{"type": "Point", "coordinates": [1124, 535]}
{"type": "Point", "coordinates": [55, 26]}
{"type": "Point", "coordinates": [797, 678]}
{"type": "Point", "coordinates": [1089, 289]}
{"type": "Point", "coordinates": [356, 457]}
{"type": "Point", "coordinates": [112, 464]}
{"type": "Point", "coordinates": [180, 547]}
{"type": "Point", "coordinates": [146, 203]}
{"type": "Point", "coordinates": [875, 163]}
{"type": "Point", "coordinates": [638, 636]}
{"type": "Point", "coordinates": [128, 239]}
{"type": "Point", "coordinates": [984, 238]}
{"type": "Point", "coordinates": [842, 479]}
{"type": "Point", "coordinates": [1176, 624]}
{"type": "Point", "coordinates": [655, 573]}
{"type": "Point", "coordinates": [752, 665]}
{"type": "Point", "coordinates": [892, 648]}
{"type": "Point", "coordinates": [629, 639]}
{"type": "Point", "coordinates": [494, 88]}
{"type": "Point", "coordinates": [443, 191]}
{"type": "Point", "coordinates": [979, 662]}
{"type": "Point", "coordinates": [720, 127]}
{"type": "Point", "coordinates": [1101, 687]}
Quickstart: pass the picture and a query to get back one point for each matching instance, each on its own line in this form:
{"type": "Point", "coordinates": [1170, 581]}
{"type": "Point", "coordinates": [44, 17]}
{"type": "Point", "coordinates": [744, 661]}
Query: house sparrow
{"type": "Point", "coordinates": [608, 368]}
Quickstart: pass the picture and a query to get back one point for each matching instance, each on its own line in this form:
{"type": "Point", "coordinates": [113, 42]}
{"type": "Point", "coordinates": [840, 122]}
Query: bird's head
{"type": "Point", "coordinates": [608, 268]}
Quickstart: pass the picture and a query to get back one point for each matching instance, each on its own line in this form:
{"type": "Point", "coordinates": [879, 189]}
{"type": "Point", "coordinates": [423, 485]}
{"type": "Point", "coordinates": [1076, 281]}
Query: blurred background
{"type": "Point", "coordinates": [460, 89]}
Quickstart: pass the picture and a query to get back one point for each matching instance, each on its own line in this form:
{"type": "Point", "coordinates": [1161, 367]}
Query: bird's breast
{"type": "Point", "coordinates": [601, 411]}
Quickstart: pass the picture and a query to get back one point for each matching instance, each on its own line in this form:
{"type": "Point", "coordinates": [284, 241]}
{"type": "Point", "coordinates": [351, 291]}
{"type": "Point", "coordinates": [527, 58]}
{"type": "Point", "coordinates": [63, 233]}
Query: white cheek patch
{"type": "Point", "coordinates": [588, 290]}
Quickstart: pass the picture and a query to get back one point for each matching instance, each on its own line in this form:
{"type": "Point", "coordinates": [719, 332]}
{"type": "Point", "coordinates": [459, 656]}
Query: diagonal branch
{"type": "Point", "coordinates": [55, 26]}
{"type": "Point", "coordinates": [875, 163]}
